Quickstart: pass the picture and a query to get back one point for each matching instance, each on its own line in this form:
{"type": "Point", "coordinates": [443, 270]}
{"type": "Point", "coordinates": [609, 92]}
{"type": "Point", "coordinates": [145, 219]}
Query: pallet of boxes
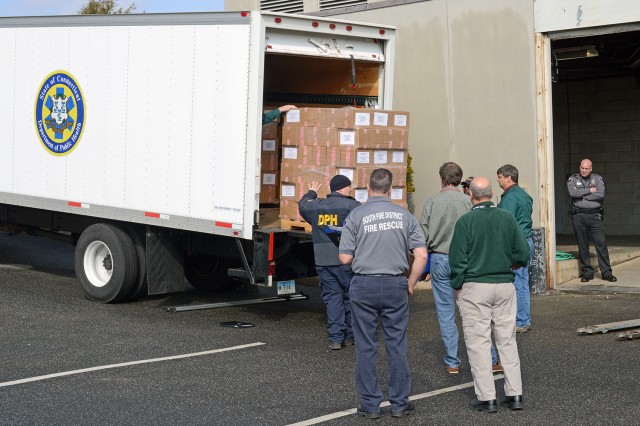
{"type": "Point", "coordinates": [319, 143]}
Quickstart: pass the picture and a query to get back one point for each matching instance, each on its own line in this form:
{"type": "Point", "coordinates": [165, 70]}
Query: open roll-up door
{"type": "Point", "coordinates": [329, 46]}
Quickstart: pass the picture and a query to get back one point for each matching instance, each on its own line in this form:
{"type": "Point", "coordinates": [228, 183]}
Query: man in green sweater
{"type": "Point", "coordinates": [487, 245]}
{"type": "Point", "coordinates": [514, 199]}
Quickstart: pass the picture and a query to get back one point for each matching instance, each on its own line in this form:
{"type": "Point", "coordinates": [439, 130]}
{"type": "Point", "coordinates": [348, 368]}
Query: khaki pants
{"type": "Point", "coordinates": [482, 305]}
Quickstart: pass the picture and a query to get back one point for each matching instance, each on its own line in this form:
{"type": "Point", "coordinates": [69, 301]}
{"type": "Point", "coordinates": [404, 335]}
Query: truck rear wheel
{"type": "Point", "coordinates": [106, 263]}
{"type": "Point", "coordinates": [206, 272]}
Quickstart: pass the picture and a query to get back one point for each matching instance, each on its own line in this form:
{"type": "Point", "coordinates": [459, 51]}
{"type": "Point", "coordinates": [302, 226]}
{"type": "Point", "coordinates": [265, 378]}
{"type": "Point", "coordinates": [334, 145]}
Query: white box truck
{"type": "Point", "coordinates": [138, 138]}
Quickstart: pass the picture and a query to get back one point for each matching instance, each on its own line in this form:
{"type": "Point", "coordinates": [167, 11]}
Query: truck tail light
{"type": "Point", "coordinates": [272, 268]}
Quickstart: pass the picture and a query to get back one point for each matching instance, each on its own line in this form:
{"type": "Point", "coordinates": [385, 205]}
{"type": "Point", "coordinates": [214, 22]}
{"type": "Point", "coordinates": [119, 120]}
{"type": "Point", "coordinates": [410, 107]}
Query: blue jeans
{"type": "Point", "coordinates": [384, 300]}
{"type": "Point", "coordinates": [444, 298]}
{"type": "Point", "coordinates": [334, 282]}
{"type": "Point", "coordinates": [523, 293]}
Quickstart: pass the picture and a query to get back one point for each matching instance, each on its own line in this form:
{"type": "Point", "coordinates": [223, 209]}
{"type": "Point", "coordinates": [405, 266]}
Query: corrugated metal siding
{"type": "Point", "coordinates": [331, 4]}
{"type": "Point", "coordinates": [290, 6]}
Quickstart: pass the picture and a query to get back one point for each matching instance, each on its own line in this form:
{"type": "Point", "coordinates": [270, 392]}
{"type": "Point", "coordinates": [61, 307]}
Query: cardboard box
{"type": "Point", "coordinates": [305, 155]}
{"type": "Point", "coordinates": [306, 117]}
{"type": "Point", "coordinates": [269, 162]}
{"type": "Point", "coordinates": [382, 138]}
{"type": "Point", "coordinates": [399, 175]}
{"type": "Point", "coordinates": [364, 157]}
{"type": "Point", "coordinates": [270, 130]}
{"type": "Point", "coordinates": [309, 136]}
{"type": "Point", "coordinates": [289, 209]}
{"type": "Point", "coordinates": [347, 157]}
{"type": "Point", "coordinates": [349, 117]}
{"type": "Point", "coordinates": [269, 185]}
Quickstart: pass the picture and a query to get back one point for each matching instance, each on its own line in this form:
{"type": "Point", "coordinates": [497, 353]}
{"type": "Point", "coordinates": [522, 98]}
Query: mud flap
{"type": "Point", "coordinates": [165, 268]}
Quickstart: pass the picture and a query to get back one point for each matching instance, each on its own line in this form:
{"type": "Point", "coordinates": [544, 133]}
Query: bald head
{"type": "Point", "coordinates": [480, 190]}
{"type": "Point", "coordinates": [585, 167]}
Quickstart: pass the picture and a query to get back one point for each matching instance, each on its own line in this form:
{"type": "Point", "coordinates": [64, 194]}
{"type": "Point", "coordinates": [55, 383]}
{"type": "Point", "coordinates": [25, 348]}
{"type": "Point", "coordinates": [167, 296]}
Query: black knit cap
{"type": "Point", "coordinates": [338, 182]}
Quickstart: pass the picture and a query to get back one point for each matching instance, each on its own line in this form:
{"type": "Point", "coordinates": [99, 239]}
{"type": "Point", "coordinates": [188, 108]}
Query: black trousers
{"type": "Point", "coordinates": [590, 226]}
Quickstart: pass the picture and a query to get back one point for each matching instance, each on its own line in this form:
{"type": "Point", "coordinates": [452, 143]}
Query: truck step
{"type": "Point", "coordinates": [295, 224]}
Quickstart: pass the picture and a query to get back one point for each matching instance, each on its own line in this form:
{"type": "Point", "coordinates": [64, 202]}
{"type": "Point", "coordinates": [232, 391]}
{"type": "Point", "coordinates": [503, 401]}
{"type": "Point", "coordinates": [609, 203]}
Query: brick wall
{"type": "Point", "coordinates": [599, 120]}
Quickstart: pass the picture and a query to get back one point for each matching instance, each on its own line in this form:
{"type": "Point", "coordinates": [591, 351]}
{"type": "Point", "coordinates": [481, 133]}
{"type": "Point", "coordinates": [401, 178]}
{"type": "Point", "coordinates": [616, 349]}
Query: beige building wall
{"type": "Point", "coordinates": [466, 71]}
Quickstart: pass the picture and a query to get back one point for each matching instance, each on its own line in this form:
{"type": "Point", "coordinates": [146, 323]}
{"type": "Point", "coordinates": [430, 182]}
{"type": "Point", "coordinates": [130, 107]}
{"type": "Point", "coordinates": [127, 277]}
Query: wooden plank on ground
{"type": "Point", "coordinates": [603, 328]}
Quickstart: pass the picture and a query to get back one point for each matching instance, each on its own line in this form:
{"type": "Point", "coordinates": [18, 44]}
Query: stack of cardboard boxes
{"type": "Point", "coordinates": [270, 169]}
{"type": "Point", "coordinates": [318, 143]}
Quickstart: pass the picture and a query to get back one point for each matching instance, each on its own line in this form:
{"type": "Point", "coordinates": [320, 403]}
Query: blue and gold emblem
{"type": "Point", "coordinates": [60, 113]}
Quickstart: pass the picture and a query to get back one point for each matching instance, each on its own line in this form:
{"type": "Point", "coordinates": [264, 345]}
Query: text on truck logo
{"type": "Point", "coordinates": [60, 113]}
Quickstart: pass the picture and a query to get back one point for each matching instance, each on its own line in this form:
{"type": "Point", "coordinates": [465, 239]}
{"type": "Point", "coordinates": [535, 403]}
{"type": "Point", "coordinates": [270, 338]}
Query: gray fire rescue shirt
{"type": "Point", "coordinates": [580, 191]}
{"type": "Point", "coordinates": [379, 236]}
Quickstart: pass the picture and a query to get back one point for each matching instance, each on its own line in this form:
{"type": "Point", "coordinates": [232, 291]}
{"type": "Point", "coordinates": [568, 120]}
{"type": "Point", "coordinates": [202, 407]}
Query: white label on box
{"type": "Point", "coordinates": [346, 172]}
{"type": "Point", "coordinates": [363, 157]}
{"type": "Point", "coordinates": [269, 179]}
{"type": "Point", "coordinates": [288, 190]}
{"type": "Point", "coordinates": [396, 193]}
{"type": "Point", "coordinates": [269, 145]}
{"type": "Point", "coordinates": [400, 120]}
{"type": "Point", "coordinates": [347, 138]}
{"type": "Point", "coordinates": [379, 157]}
{"type": "Point", "coordinates": [290, 152]}
{"type": "Point", "coordinates": [397, 157]}
{"type": "Point", "coordinates": [363, 119]}
{"type": "Point", "coordinates": [293, 116]}
{"type": "Point", "coordinates": [361, 195]}
{"type": "Point", "coordinates": [380, 118]}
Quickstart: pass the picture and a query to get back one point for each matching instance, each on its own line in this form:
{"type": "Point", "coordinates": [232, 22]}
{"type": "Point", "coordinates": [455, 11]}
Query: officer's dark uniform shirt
{"type": "Point", "coordinates": [321, 213]}
{"type": "Point", "coordinates": [580, 191]}
{"type": "Point", "coordinates": [379, 235]}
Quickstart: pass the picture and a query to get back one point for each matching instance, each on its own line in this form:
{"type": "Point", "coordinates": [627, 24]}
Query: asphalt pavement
{"type": "Point", "coordinates": [65, 360]}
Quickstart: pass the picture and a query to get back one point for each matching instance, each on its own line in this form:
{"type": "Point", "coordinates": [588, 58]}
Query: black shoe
{"type": "Point", "coordinates": [411, 408]}
{"type": "Point", "coordinates": [349, 342]}
{"type": "Point", "coordinates": [368, 414]}
{"type": "Point", "coordinates": [490, 406]}
{"type": "Point", "coordinates": [335, 346]}
{"type": "Point", "coordinates": [610, 278]}
{"type": "Point", "coordinates": [513, 402]}
{"type": "Point", "coordinates": [586, 278]}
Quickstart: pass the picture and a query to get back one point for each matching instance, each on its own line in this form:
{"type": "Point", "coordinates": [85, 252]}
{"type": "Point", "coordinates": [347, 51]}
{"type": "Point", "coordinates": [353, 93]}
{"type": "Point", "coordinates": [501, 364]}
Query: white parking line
{"type": "Point", "coordinates": [386, 403]}
{"type": "Point", "coordinates": [126, 364]}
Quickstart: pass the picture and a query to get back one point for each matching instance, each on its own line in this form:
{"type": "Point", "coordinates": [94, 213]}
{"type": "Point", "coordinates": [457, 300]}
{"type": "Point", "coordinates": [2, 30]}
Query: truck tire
{"type": "Point", "coordinates": [141, 286]}
{"type": "Point", "coordinates": [106, 263]}
{"type": "Point", "coordinates": [207, 272]}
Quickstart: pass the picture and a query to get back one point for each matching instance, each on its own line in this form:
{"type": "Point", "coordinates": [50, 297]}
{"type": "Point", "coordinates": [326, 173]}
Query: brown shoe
{"type": "Point", "coordinates": [523, 329]}
{"type": "Point", "coordinates": [453, 370]}
{"type": "Point", "coordinates": [497, 368]}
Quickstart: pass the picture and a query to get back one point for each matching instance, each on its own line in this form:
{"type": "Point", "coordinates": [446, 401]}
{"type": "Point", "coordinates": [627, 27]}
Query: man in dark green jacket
{"type": "Point", "coordinates": [514, 199]}
{"type": "Point", "coordinates": [268, 117]}
{"type": "Point", "coordinates": [487, 245]}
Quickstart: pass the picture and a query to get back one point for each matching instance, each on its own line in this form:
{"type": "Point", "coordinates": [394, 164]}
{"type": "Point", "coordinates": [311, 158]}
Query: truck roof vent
{"type": "Point", "coordinates": [290, 6]}
{"type": "Point", "coordinates": [332, 4]}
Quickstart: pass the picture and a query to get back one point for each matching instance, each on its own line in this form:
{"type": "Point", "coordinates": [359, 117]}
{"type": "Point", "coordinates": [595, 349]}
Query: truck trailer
{"type": "Point", "coordinates": [138, 138]}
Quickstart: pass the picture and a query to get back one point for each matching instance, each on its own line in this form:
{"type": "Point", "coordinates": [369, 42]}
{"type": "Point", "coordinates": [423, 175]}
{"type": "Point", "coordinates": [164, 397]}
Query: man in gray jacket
{"type": "Point", "coordinates": [586, 190]}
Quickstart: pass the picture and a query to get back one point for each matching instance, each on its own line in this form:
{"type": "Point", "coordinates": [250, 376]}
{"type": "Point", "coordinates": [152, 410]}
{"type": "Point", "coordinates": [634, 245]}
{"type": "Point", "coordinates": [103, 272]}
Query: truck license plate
{"type": "Point", "coordinates": [286, 287]}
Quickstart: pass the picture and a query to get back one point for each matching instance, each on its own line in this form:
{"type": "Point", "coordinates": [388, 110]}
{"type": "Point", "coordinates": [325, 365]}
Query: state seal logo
{"type": "Point", "coordinates": [59, 113]}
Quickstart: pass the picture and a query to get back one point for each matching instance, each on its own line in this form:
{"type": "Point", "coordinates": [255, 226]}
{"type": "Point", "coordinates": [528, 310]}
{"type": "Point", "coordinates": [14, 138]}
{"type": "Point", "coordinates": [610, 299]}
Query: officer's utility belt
{"type": "Point", "coordinates": [379, 275]}
{"type": "Point", "coordinates": [575, 210]}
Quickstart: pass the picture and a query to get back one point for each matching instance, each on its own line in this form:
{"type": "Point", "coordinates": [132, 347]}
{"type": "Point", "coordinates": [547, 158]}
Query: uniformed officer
{"type": "Point", "coordinates": [376, 241]}
{"type": "Point", "coordinates": [586, 190]}
{"type": "Point", "coordinates": [335, 277]}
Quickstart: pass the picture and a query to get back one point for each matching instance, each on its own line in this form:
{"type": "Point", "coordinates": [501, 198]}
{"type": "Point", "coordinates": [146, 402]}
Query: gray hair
{"type": "Point", "coordinates": [480, 192]}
